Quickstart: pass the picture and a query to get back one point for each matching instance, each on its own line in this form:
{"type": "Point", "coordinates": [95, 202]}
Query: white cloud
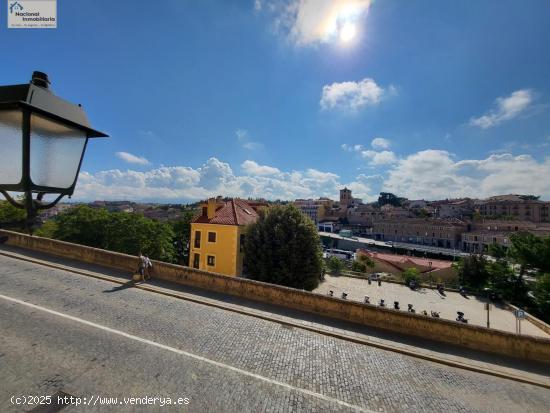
{"type": "Point", "coordinates": [379, 158]}
{"type": "Point", "coordinates": [244, 138]}
{"type": "Point", "coordinates": [428, 174]}
{"type": "Point", "coordinates": [242, 134]}
{"type": "Point", "coordinates": [312, 22]}
{"type": "Point", "coordinates": [215, 173]}
{"type": "Point", "coordinates": [352, 95]}
{"type": "Point", "coordinates": [257, 5]}
{"type": "Point", "coordinates": [133, 159]}
{"type": "Point", "coordinates": [252, 145]}
{"type": "Point", "coordinates": [506, 108]}
{"type": "Point", "coordinates": [253, 168]}
{"type": "Point", "coordinates": [214, 177]}
{"type": "Point", "coordinates": [375, 158]}
{"type": "Point", "coordinates": [435, 174]}
{"type": "Point", "coordinates": [380, 143]}
{"type": "Point", "coordinates": [351, 148]}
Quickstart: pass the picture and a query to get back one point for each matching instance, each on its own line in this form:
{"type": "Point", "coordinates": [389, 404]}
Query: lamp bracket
{"type": "Point", "coordinates": [32, 206]}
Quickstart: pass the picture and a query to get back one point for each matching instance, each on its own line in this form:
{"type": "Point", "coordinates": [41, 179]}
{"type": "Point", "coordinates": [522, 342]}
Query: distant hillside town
{"type": "Point", "coordinates": [466, 224]}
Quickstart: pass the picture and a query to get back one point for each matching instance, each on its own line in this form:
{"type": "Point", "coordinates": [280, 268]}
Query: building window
{"type": "Point", "coordinates": [196, 261]}
{"type": "Point", "coordinates": [197, 239]}
{"type": "Point", "coordinates": [210, 260]}
{"type": "Point", "coordinates": [211, 237]}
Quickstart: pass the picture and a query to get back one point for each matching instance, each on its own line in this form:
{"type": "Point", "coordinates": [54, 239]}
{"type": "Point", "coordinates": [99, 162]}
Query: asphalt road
{"type": "Point", "coordinates": [93, 339]}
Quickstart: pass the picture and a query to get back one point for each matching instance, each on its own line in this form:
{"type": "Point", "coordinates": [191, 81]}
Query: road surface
{"type": "Point", "coordinates": [99, 341]}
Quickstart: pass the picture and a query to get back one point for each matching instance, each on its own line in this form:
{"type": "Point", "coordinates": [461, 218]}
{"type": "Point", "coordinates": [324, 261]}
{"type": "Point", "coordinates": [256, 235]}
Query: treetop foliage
{"type": "Point", "coordinates": [505, 273]}
{"type": "Point", "coordinates": [116, 231]}
{"type": "Point", "coordinates": [283, 247]}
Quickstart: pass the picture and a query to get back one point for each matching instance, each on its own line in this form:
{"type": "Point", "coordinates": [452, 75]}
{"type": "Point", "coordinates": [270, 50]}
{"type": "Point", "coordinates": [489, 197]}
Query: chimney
{"type": "Point", "coordinates": [211, 208]}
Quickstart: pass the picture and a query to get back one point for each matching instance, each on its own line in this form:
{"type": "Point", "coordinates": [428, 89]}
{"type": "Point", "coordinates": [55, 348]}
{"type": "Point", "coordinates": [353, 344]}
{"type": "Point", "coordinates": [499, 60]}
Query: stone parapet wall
{"type": "Point", "coordinates": [474, 337]}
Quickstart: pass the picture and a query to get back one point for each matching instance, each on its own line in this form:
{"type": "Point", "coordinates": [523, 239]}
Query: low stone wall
{"type": "Point", "coordinates": [474, 337]}
{"type": "Point", "coordinates": [73, 251]}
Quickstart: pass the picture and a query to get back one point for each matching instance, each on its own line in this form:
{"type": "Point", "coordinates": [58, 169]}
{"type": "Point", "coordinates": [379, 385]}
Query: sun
{"type": "Point", "coordinates": [348, 32]}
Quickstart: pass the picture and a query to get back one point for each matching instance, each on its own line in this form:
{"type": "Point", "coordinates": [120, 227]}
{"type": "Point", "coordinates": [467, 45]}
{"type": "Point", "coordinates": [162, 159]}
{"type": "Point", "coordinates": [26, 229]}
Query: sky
{"type": "Point", "coordinates": [298, 98]}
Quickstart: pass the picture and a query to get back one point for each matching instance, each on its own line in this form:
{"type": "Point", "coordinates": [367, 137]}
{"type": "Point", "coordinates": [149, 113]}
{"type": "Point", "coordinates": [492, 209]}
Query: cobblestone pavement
{"type": "Point", "coordinates": [429, 300]}
{"type": "Point", "coordinates": [263, 366]}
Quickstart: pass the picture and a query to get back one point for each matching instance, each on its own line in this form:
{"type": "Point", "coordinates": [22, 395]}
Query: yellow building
{"type": "Point", "coordinates": [217, 235]}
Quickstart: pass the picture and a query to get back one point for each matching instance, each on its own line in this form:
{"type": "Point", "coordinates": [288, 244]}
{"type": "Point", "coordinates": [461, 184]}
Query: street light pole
{"type": "Point", "coordinates": [43, 140]}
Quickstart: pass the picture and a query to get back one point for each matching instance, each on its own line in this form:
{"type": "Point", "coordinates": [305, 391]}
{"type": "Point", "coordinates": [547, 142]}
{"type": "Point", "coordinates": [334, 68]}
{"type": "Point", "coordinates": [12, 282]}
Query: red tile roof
{"type": "Point", "coordinates": [233, 212]}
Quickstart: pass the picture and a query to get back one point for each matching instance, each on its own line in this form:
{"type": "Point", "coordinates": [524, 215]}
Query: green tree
{"type": "Point", "coordinates": [389, 198]}
{"type": "Point", "coordinates": [530, 252]}
{"type": "Point", "coordinates": [132, 234]}
{"type": "Point", "coordinates": [541, 294]}
{"type": "Point", "coordinates": [358, 266]}
{"type": "Point", "coordinates": [10, 216]}
{"type": "Point", "coordinates": [506, 282]}
{"type": "Point", "coordinates": [182, 233]}
{"type": "Point", "coordinates": [335, 265]}
{"type": "Point", "coordinates": [411, 274]}
{"type": "Point", "coordinates": [497, 251]}
{"type": "Point", "coordinates": [47, 230]}
{"type": "Point", "coordinates": [283, 247]}
{"type": "Point", "coordinates": [83, 225]}
{"type": "Point", "coordinates": [365, 260]}
{"type": "Point", "coordinates": [472, 271]}
{"type": "Point", "coordinates": [118, 231]}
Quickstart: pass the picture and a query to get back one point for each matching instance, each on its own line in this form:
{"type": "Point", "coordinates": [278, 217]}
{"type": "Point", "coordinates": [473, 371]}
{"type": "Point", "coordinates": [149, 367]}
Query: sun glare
{"type": "Point", "coordinates": [348, 32]}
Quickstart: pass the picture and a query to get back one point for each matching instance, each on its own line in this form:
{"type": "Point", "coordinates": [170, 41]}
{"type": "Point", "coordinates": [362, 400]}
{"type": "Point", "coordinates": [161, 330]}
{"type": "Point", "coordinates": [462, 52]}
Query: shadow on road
{"type": "Point", "coordinates": [124, 286]}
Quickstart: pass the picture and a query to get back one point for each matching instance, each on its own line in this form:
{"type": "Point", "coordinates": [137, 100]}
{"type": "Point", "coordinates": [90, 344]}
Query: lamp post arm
{"type": "Point", "coordinates": [39, 205]}
{"type": "Point", "coordinates": [36, 204]}
{"type": "Point", "coordinates": [11, 200]}
{"type": "Point", "coordinates": [31, 206]}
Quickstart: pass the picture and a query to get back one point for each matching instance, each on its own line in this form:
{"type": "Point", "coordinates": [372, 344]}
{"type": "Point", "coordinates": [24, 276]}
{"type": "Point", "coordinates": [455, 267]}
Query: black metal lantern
{"type": "Point", "coordinates": [42, 144]}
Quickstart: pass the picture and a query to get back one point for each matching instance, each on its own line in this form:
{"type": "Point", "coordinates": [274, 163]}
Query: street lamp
{"type": "Point", "coordinates": [42, 141]}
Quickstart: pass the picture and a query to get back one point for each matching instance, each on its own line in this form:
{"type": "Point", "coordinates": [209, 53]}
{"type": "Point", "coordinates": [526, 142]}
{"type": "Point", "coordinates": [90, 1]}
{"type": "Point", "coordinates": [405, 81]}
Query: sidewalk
{"type": "Point", "coordinates": [456, 356]}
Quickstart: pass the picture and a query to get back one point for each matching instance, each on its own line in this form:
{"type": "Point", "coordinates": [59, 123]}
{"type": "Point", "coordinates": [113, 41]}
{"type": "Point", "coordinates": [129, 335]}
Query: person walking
{"type": "Point", "coordinates": [148, 267]}
{"type": "Point", "coordinates": [142, 265]}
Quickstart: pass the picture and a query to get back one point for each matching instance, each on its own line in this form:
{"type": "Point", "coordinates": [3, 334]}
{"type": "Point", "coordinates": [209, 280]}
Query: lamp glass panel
{"type": "Point", "coordinates": [11, 147]}
{"type": "Point", "coordinates": [56, 150]}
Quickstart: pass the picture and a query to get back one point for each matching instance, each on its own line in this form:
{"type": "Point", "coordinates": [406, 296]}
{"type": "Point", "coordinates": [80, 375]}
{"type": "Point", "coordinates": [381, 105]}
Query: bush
{"type": "Point", "coordinates": [411, 274]}
{"type": "Point", "coordinates": [335, 265]}
{"type": "Point", "coordinates": [358, 266]}
{"type": "Point", "coordinates": [365, 260]}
